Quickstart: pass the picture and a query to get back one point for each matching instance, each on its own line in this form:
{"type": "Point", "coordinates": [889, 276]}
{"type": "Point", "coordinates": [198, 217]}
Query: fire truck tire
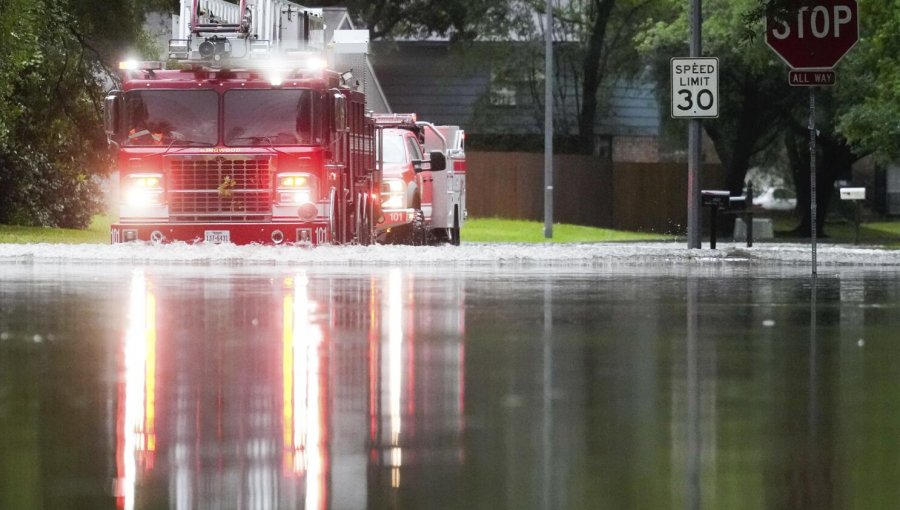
{"type": "Point", "coordinates": [363, 221]}
{"type": "Point", "coordinates": [418, 233]}
{"type": "Point", "coordinates": [332, 216]}
{"type": "Point", "coordinates": [454, 230]}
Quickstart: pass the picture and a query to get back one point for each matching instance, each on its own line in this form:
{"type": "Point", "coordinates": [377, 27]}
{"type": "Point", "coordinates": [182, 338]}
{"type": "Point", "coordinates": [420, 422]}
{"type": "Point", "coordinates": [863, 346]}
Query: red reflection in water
{"type": "Point", "coordinates": [248, 415]}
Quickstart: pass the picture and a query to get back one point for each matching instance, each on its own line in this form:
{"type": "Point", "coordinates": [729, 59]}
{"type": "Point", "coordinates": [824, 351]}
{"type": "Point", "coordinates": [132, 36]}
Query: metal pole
{"type": "Point", "coordinates": [695, 222]}
{"type": "Point", "coordinates": [548, 123]}
{"type": "Point", "coordinates": [812, 175]}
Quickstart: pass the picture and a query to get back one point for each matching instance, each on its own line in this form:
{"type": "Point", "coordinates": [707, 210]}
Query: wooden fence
{"type": "Point", "coordinates": [649, 197]}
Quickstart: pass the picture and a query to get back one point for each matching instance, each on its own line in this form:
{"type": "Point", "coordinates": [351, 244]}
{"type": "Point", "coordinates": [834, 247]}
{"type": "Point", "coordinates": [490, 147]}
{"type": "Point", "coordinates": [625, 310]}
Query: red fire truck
{"type": "Point", "coordinates": [423, 180]}
{"type": "Point", "coordinates": [248, 135]}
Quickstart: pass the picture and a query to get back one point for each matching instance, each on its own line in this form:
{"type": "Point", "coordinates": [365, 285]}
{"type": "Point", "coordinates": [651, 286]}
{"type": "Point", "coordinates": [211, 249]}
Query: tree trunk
{"type": "Point", "coordinates": [741, 137]}
{"type": "Point", "coordinates": [834, 160]}
{"type": "Point", "coordinates": [592, 74]}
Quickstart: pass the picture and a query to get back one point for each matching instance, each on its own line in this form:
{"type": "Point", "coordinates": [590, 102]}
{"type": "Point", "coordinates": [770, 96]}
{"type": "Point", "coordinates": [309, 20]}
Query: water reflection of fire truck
{"type": "Point", "coordinates": [421, 202]}
{"type": "Point", "coordinates": [326, 394]}
{"type": "Point", "coordinates": [253, 136]}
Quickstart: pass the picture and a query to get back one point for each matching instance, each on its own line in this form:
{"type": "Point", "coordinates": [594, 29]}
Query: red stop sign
{"type": "Point", "coordinates": [815, 36]}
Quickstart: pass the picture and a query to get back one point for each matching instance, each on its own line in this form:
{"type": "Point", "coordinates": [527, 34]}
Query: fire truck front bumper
{"type": "Point", "coordinates": [307, 233]}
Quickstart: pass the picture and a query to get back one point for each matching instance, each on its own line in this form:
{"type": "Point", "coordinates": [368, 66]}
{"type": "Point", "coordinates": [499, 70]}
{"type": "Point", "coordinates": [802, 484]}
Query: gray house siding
{"type": "Point", "coordinates": [443, 87]}
{"type": "Point", "coordinates": [421, 78]}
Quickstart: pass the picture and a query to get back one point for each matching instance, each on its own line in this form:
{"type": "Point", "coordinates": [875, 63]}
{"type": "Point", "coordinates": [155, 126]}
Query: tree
{"type": "Point", "coordinates": [53, 56]}
{"type": "Point", "coordinates": [460, 20]}
{"type": "Point", "coordinates": [871, 100]}
{"type": "Point", "coordinates": [596, 47]}
{"type": "Point", "coordinates": [753, 92]}
{"type": "Point", "coordinates": [758, 110]}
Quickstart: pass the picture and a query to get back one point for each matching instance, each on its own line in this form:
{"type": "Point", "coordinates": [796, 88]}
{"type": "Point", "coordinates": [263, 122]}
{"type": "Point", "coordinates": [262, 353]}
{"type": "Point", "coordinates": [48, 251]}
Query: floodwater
{"type": "Point", "coordinates": [192, 386]}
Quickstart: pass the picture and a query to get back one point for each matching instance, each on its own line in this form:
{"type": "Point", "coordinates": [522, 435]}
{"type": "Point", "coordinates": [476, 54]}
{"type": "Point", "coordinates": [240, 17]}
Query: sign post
{"type": "Point", "coordinates": [695, 95]}
{"type": "Point", "coordinates": [811, 38]}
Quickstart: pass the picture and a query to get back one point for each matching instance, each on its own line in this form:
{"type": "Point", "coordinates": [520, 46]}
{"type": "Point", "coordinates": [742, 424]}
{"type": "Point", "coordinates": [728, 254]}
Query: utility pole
{"type": "Point", "coordinates": [694, 226]}
{"type": "Point", "coordinates": [548, 123]}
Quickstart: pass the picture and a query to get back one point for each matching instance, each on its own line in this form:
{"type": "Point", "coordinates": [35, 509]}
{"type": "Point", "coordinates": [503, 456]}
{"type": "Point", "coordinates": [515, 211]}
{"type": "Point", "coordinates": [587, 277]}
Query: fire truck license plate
{"type": "Point", "coordinates": [217, 236]}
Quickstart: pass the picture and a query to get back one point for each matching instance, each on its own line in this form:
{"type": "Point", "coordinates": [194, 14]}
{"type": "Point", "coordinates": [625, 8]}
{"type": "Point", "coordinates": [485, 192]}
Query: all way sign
{"type": "Point", "coordinates": [807, 78]}
{"type": "Point", "coordinates": [695, 87]}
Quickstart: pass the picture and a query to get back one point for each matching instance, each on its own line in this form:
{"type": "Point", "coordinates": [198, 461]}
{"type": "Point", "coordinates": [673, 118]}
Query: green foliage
{"type": "Point", "coordinates": [53, 58]}
{"type": "Point", "coordinates": [870, 117]}
{"type": "Point", "coordinates": [96, 233]}
{"type": "Point", "coordinates": [52, 141]}
{"type": "Point", "coordinates": [753, 90]}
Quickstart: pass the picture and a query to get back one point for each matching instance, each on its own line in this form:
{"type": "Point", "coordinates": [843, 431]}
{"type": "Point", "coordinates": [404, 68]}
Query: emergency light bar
{"type": "Point", "coordinates": [395, 119]}
{"type": "Point", "coordinates": [135, 65]}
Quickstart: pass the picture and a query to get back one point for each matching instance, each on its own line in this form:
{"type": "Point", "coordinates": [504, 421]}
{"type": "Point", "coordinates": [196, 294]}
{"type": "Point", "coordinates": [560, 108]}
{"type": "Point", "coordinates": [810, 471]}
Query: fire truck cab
{"type": "Point", "coordinates": [251, 135]}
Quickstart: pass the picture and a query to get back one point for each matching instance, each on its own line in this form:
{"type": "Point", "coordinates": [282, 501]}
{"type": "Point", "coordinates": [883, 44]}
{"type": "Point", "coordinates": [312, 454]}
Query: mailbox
{"type": "Point", "coordinates": [853, 193]}
{"type": "Point", "coordinates": [715, 200]}
{"type": "Point", "coordinates": [856, 195]}
{"type": "Point", "coordinates": [738, 203]}
{"type": "Point", "coordinates": [720, 199]}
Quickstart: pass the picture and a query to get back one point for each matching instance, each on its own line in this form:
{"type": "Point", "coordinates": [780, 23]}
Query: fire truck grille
{"type": "Point", "coordinates": [220, 189]}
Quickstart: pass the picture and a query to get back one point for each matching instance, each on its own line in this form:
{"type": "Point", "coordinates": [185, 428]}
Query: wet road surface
{"type": "Point", "coordinates": [209, 386]}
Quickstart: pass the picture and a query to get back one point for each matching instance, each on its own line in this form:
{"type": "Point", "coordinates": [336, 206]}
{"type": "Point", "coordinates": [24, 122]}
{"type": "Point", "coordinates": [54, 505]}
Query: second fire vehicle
{"type": "Point", "coordinates": [423, 170]}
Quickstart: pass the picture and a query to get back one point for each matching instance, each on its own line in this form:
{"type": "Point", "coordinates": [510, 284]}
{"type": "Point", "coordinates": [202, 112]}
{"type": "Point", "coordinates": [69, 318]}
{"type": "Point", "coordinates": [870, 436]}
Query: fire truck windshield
{"type": "Point", "coordinates": [393, 149]}
{"type": "Point", "coordinates": [171, 117]}
{"type": "Point", "coordinates": [270, 117]}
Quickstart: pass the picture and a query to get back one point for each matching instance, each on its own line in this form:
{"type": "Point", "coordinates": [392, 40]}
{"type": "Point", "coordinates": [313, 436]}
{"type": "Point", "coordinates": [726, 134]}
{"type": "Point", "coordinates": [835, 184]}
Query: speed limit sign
{"type": "Point", "coordinates": [695, 87]}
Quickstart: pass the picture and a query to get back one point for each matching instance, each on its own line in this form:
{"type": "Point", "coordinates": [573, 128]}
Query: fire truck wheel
{"type": "Point", "coordinates": [363, 222]}
{"type": "Point", "coordinates": [332, 216]}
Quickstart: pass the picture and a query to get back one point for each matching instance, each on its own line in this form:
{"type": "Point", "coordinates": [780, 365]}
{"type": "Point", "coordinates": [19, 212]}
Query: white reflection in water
{"type": "Point", "coordinates": [395, 369]}
{"type": "Point", "coordinates": [303, 412]}
{"type": "Point", "coordinates": [136, 411]}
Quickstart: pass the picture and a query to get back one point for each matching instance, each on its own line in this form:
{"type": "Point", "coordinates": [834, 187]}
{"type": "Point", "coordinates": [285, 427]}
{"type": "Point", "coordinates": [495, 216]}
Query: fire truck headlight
{"type": "Point", "coordinates": [295, 189]}
{"type": "Point", "coordinates": [143, 190]}
{"type": "Point", "coordinates": [276, 78]}
{"type": "Point", "coordinates": [294, 197]}
{"type": "Point", "coordinates": [393, 194]}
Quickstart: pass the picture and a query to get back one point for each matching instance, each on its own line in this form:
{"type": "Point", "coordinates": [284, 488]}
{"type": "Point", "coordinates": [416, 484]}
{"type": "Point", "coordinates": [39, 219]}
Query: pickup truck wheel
{"type": "Point", "coordinates": [418, 233]}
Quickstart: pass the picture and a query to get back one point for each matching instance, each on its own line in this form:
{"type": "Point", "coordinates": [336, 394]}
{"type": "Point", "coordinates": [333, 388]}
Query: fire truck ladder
{"type": "Point", "coordinates": [218, 16]}
{"type": "Point", "coordinates": [265, 26]}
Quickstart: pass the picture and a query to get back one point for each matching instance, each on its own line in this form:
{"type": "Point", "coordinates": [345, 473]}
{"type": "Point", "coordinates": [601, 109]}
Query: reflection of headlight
{"type": "Point", "coordinates": [295, 188]}
{"type": "Point", "coordinates": [143, 190]}
{"type": "Point", "coordinates": [393, 194]}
